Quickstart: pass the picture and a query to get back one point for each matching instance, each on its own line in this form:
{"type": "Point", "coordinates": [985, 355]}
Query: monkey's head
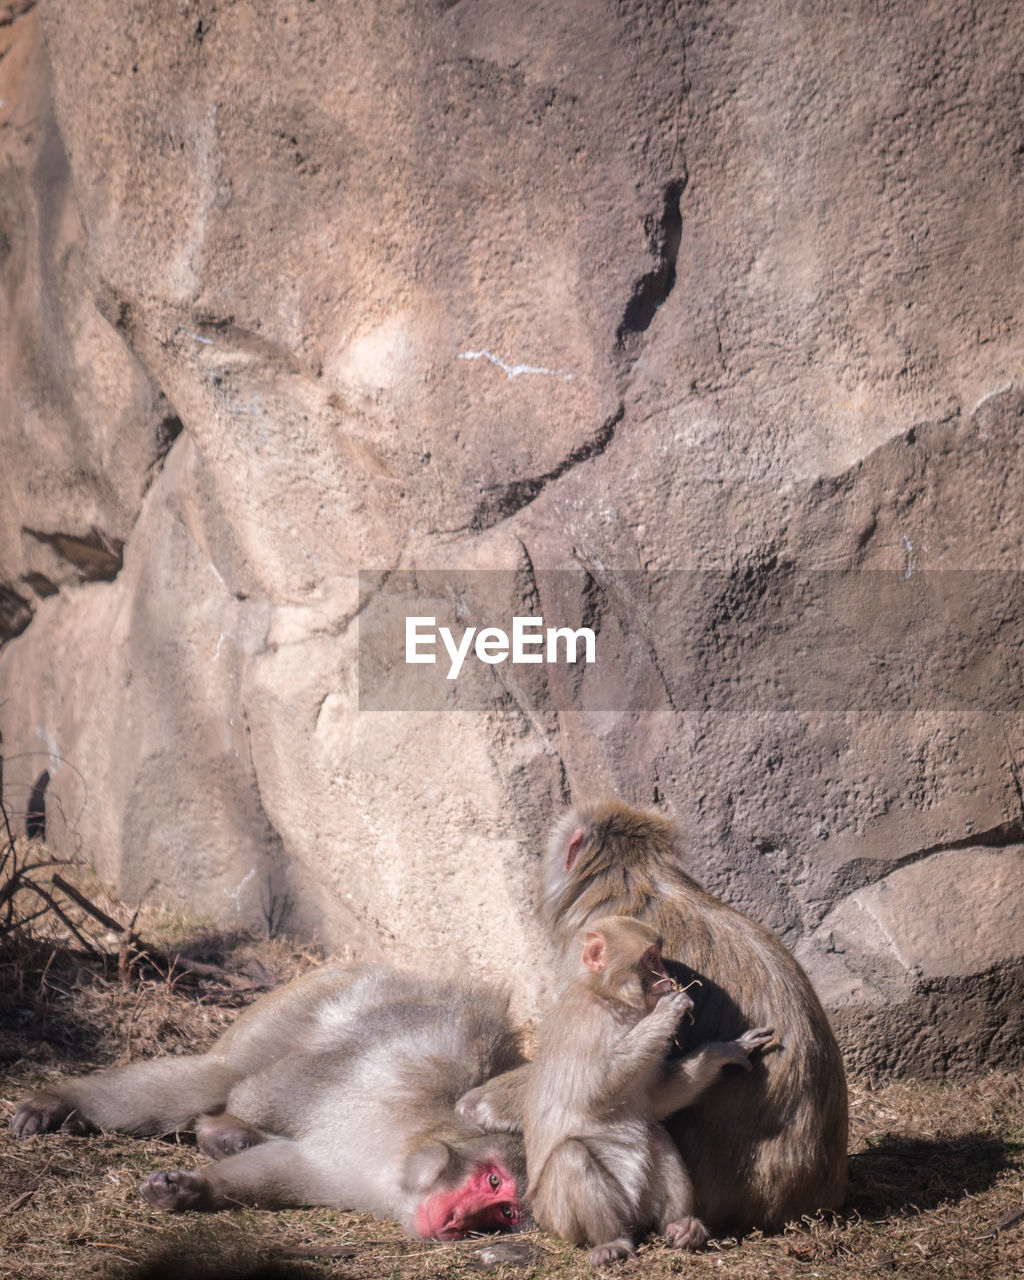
{"type": "Point", "coordinates": [605, 858]}
{"type": "Point", "coordinates": [624, 957]}
{"type": "Point", "coordinates": [459, 1188]}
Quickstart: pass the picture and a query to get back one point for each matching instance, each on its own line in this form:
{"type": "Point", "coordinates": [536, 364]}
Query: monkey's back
{"type": "Point", "coordinates": [787, 1156]}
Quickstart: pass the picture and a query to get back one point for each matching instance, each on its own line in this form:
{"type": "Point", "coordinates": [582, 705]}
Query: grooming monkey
{"type": "Point", "coordinates": [337, 1090]}
{"type": "Point", "coordinates": [601, 1168]}
{"type": "Point", "coordinates": [761, 1149]}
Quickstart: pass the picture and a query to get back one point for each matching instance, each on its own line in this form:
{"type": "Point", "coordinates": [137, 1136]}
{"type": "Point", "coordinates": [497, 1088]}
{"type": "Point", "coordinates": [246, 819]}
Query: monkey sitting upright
{"type": "Point", "coordinates": [337, 1090]}
{"type": "Point", "coordinates": [761, 1150]}
{"type": "Point", "coordinates": [601, 1168]}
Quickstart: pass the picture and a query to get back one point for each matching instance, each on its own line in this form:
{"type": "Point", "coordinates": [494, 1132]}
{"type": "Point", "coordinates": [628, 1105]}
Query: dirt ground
{"type": "Point", "coordinates": [936, 1186]}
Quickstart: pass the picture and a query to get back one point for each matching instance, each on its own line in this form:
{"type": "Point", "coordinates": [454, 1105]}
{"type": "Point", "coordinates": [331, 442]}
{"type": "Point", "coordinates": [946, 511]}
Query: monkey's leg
{"type": "Point", "coordinates": [162, 1096]}
{"type": "Point", "coordinates": [274, 1175]}
{"type": "Point", "coordinates": [226, 1135]}
{"type": "Point", "coordinates": [682, 1083]}
{"type": "Point", "coordinates": [496, 1106]}
{"type": "Point", "coordinates": [671, 1192]}
{"type": "Point", "coordinates": [579, 1199]}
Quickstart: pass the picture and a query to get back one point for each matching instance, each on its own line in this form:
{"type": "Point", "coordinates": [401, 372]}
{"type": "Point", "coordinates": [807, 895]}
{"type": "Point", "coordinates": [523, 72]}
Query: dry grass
{"type": "Point", "coordinates": [937, 1170]}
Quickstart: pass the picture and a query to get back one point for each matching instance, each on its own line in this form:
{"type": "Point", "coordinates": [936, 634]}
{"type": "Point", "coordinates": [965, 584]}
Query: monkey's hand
{"type": "Point", "coordinates": [652, 1035]}
{"type": "Point", "coordinates": [683, 1082]}
{"type": "Point", "coordinates": [676, 1004]}
{"type": "Point", "coordinates": [174, 1190]}
{"type": "Point", "coordinates": [641, 1047]}
{"type": "Point", "coordinates": [737, 1052]}
{"type": "Point", "coordinates": [43, 1112]}
{"type": "Point", "coordinates": [757, 1038]}
{"type": "Point", "coordinates": [497, 1105]}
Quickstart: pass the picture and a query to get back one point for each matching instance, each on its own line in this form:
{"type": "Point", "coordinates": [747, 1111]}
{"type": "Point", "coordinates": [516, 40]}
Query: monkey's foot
{"type": "Point", "coordinates": [226, 1135]}
{"type": "Point", "coordinates": [613, 1251]}
{"type": "Point", "coordinates": [173, 1190]}
{"type": "Point", "coordinates": [44, 1112]}
{"type": "Point", "coordinates": [687, 1233]}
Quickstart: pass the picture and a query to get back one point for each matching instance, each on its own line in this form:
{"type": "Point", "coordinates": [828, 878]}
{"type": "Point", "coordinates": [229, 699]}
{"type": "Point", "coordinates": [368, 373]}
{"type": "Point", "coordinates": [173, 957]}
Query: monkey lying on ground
{"type": "Point", "coordinates": [337, 1090]}
{"type": "Point", "coordinates": [761, 1150]}
{"type": "Point", "coordinates": [601, 1168]}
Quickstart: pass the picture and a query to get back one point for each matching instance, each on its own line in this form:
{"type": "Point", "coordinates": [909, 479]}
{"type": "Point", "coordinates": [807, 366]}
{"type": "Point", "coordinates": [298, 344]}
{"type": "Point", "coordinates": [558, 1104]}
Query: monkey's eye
{"type": "Point", "coordinates": [507, 1212]}
{"type": "Point", "coordinates": [495, 1181]}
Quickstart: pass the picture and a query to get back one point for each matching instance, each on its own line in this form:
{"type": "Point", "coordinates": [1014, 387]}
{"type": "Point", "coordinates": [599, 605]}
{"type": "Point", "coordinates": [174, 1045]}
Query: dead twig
{"type": "Point", "coordinates": [128, 939]}
{"type": "Point", "coordinates": [66, 920]}
{"type": "Point", "coordinates": [24, 1196]}
{"type": "Point", "coordinates": [17, 1202]}
{"type": "Point", "coordinates": [96, 912]}
{"type": "Point", "coordinates": [1007, 1221]}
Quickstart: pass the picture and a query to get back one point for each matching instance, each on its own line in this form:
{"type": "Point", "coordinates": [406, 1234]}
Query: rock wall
{"type": "Point", "coordinates": [697, 324]}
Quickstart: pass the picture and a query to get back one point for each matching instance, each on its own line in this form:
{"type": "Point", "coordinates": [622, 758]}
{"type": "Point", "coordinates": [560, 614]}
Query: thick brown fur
{"type": "Point", "coordinates": [337, 1090]}
{"type": "Point", "coordinates": [763, 1148]}
{"type": "Point", "coordinates": [602, 1170]}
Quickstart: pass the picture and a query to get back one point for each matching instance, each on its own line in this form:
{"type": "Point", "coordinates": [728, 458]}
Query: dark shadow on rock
{"type": "Point", "coordinates": [900, 1173]}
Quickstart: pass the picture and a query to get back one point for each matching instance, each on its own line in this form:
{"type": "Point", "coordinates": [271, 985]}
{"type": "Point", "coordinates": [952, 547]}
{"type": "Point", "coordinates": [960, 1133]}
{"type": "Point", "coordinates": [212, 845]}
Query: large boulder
{"type": "Point", "coordinates": [697, 327]}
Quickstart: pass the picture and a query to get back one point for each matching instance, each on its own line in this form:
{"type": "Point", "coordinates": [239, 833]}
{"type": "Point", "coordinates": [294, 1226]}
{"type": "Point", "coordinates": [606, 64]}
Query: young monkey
{"type": "Point", "coordinates": [602, 1168]}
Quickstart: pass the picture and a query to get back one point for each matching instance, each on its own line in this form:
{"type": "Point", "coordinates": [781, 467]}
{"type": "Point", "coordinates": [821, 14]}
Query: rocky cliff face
{"type": "Point", "coordinates": [698, 325]}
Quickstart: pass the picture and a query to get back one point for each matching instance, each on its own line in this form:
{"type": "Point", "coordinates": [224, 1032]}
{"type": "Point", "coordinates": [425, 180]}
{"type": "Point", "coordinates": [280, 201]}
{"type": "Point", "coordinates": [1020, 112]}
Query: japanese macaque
{"type": "Point", "coordinates": [601, 1168]}
{"type": "Point", "coordinates": [761, 1149]}
{"type": "Point", "coordinates": [337, 1090]}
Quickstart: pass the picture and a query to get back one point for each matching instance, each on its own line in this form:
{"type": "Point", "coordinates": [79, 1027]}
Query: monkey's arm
{"type": "Point", "coordinates": [642, 1045]}
{"type": "Point", "coordinates": [277, 1174]}
{"type": "Point", "coordinates": [682, 1083]}
{"type": "Point", "coordinates": [496, 1106]}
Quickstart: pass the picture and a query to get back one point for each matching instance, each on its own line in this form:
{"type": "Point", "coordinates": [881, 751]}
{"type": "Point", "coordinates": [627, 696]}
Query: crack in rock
{"type": "Point", "coordinates": [862, 873]}
{"type": "Point", "coordinates": [501, 501]}
{"type": "Point", "coordinates": [96, 558]}
{"type": "Point", "coordinates": [15, 10]}
{"type": "Point", "coordinates": [15, 613]}
{"type": "Point", "coordinates": [664, 236]}
{"type": "Point", "coordinates": [652, 289]}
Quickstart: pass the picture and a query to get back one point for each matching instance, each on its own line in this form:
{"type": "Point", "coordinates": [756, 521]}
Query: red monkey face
{"type": "Point", "coordinates": [486, 1200]}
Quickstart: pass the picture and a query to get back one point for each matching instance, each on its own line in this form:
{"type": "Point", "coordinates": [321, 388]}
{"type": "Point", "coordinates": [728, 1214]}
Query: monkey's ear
{"type": "Point", "coordinates": [594, 952]}
{"type": "Point", "coordinates": [426, 1166]}
{"type": "Point", "coordinates": [575, 845]}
